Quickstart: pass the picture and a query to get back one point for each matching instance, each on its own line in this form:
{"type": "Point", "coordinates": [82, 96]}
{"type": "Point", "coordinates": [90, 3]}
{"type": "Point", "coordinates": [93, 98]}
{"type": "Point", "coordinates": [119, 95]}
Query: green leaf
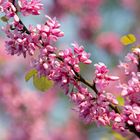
{"type": "Point", "coordinates": [120, 100]}
{"type": "Point", "coordinates": [42, 83]}
{"type": "Point", "coordinates": [4, 19]}
{"type": "Point", "coordinates": [119, 136]}
{"type": "Point", "coordinates": [30, 74]}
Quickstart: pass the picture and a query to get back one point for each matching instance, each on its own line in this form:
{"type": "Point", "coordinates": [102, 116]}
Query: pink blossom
{"type": "Point", "coordinates": [111, 98]}
{"type": "Point", "coordinates": [89, 26]}
{"type": "Point", "coordinates": [1, 1]}
{"type": "Point", "coordinates": [82, 55]}
{"type": "Point", "coordinates": [118, 122]}
{"type": "Point", "coordinates": [110, 42]}
{"type": "Point", "coordinates": [48, 32]}
{"type": "Point", "coordinates": [133, 113]}
{"type": "Point", "coordinates": [78, 6]}
{"type": "Point", "coordinates": [131, 89]}
{"type": "Point", "coordinates": [136, 51]}
{"type": "Point", "coordinates": [84, 11]}
{"type": "Point", "coordinates": [9, 9]}
{"type": "Point", "coordinates": [129, 4]}
{"type": "Point", "coordinates": [102, 79]}
{"type": "Point", "coordinates": [30, 7]}
{"type": "Point", "coordinates": [131, 57]}
{"type": "Point", "coordinates": [18, 43]}
{"type": "Point", "coordinates": [130, 64]}
{"type": "Point", "coordinates": [92, 109]}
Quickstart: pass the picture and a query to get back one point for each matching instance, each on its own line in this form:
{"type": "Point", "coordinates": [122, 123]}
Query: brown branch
{"type": "Point", "coordinates": [133, 129]}
{"type": "Point", "coordinates": [24, 27]}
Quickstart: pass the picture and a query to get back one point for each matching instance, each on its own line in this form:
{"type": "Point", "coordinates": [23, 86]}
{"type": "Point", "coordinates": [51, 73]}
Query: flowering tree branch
{"type": "Point", "coordinates": [62, 66]}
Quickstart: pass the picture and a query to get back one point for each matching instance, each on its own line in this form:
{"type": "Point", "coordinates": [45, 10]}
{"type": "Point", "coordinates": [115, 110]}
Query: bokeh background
{"type": "Point", "coordinates": [28, 114]}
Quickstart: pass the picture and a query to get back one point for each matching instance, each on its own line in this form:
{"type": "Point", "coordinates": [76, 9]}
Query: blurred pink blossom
{"type": "Point", "coordinates": [110, 42]}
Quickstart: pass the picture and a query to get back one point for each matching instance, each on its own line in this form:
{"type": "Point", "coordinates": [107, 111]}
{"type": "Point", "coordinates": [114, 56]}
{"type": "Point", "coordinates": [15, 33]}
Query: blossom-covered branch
{"type": "Point", "coordinates": [62, 67]}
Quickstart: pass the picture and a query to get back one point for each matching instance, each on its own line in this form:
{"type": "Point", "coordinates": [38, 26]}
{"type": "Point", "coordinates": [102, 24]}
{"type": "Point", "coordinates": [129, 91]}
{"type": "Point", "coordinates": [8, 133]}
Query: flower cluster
{"type": "Point", "coordinates": [9, 9]}
{"type": "Point", "coordinates": [62, 67]}
{"type": "Point", "coordinates": [102, 79]}
{"type": "Point", "coordinates": [93, 108]}
{"type": "Point", "coordinates": [30, 7]}
{"type": "Point", "coordinates": [131, 90]}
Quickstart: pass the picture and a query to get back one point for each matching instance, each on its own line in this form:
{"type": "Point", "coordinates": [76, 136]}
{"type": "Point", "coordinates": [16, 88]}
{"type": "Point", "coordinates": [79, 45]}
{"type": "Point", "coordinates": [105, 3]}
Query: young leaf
{"type": "Point", "coordinates": [4, 19]}
{"type": "Point", "coordinates": [42, 83]}
{"type": "Point", "coordinates": [120, 100]}
{"type": "Point", "coordinates": [30, 74]}
{"type": "Point", "coordinates": [128, 39]}
{"type": "Point", "coordinates": [118, 136]}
